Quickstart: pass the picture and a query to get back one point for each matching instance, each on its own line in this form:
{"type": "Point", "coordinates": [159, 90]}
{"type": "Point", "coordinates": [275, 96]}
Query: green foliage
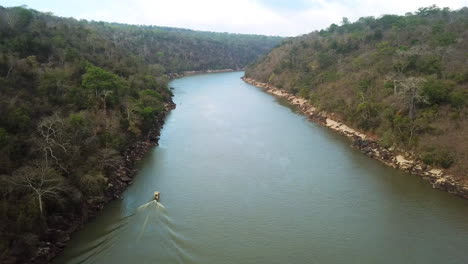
{"type": "Point", "coordinates": [439, 157]}
{"type": "Point", "coordinates": [364, 85]}
{"type": "Point", "coordinates": [77, 120]}
{"type": "Point", "coordinates": [93, 183]}
{"type": "Point", "coordinates": [151, 93]}
{"type": "Point", "coordinates": [327, 76]}
{"type": "Point", "coordinates": [445, 38]}
{"type": "Point", "coordinates": [53, 83]}
{"type": "Point", "coordinates": [386, 139]}
{"type": "Point", "coordinates": [19, 118]}
{"type": "Point", "coordinates": [27, 214]}
{"type": "Point", "coordinates": [402, 129]}
{"type": "Point", "coordinates": [99, 80]}
{"type": "Point", "coordinates": [367, 115]}
{"type": "Point", "coordinates": [20, 17]}
{"type": "Point", "coordinates": [324, 59]}
{"type": "Point", "coordinates": [304, 92]}
{"type": "Point", "coordinates": [428, 11]}
{"type": "Point", "coordinates": [272, 77]}
{"type": "Point", "coordinates": [460, 77]}
{"type": "Point", "coordinates": [345, 21]}
{"type": "Point", "coordinates": [427, 64]}
{"type": "Point", "coordinates": [437, 91]}
{"type": "Point", "coordinates": [3, 137]}
{"type": "Point", "coordinates": [385, 48]}
{"type": "Point", "coordinates": [148, 112]}
{"type": "Point", "coordinates": [458, 99]}
{"type": "Point", "coordinates": [109, 139]}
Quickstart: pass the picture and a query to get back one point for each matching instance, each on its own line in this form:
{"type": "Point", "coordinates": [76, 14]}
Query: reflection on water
{"type": "Point", "coordinates": [247, 180]}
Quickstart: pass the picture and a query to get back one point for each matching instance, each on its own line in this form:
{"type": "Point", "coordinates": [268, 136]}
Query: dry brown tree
{"type": "Point", "coordinates": [53, 140]}
{"type": "Point", "coordinates": [412, 87]}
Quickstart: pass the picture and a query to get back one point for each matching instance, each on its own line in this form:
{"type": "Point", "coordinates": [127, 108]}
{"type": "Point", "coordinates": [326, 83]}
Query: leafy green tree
{"type": "Point", "coordinates": [458, 99]}
{"type": "Point", "coordinates": [97, 80]}
{"type": "Point", "coordinates": [437, 91]}
{"type": "Point", "coordinates": [104, 85]}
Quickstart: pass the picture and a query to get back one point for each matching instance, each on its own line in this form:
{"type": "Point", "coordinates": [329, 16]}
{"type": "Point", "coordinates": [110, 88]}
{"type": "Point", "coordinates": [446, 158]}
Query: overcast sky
{"type": "Point", "coordinates": [269, 17]}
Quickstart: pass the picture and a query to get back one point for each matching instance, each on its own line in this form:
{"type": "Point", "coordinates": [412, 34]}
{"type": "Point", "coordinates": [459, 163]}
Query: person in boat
{"type": "Point", "coordinates": [156, 196]}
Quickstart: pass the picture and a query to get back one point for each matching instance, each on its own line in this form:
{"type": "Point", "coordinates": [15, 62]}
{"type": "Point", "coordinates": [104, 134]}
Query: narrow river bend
{"type": "Point", "coordinates": [244, 179]}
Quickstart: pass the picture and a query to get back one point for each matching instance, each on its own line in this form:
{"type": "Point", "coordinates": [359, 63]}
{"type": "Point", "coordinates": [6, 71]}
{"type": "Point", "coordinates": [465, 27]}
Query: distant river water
{"type": "Point", "coordinates": [245, 179]}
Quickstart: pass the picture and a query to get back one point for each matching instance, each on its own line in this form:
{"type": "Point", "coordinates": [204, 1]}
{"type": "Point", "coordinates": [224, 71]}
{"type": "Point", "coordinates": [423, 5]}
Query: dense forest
{"type": "Point", "coordinates": [403, 79]}
{"type": "Point", "coordinates": [74, 96]}
{"type": "Point", "coordinates": [187, 50]}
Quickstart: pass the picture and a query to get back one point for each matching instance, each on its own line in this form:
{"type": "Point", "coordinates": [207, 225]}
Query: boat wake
{"type": "Point", "coordinates": [149, 231]}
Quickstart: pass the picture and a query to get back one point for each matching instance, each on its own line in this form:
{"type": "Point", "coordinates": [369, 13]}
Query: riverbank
{"type": "Point", "coordinates": [402, 160]}
{"type": "Point", "coordinates": [188, 73]}
{"type": "Point", "coordinates": [61, 227]}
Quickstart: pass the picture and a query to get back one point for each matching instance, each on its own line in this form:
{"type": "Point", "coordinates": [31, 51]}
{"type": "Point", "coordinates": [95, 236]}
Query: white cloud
{"type": "Point", "coordinates": [254, 16]}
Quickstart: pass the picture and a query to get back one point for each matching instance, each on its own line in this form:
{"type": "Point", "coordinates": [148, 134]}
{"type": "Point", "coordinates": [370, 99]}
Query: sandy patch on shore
{"type": "Point", "coordinates": [343, 128]}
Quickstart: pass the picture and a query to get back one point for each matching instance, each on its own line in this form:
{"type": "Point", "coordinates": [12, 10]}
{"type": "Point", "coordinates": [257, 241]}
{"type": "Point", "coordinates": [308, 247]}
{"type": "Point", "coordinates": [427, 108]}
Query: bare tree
{"type": "Point", "coordinates": [412, 91]}
{"type": "Point", "coordinates": [53, 139]}
{"type": "Point", "coordinates": [103, 95]}
{"type": "Point", "coordinates": [130, 108]}
{"type": "Point", "coordinates": [396, 78]}
{"type": "Point", "coordinates": [11, 64]}
{"type": "Point", "coordinates": [10, 18]}
{"type": "Point", "coordinates": [42, 180]}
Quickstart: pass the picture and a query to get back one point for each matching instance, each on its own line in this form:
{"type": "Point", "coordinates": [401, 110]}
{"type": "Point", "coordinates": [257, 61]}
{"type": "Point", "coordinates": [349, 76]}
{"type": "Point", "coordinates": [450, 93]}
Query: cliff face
{"type": "Point", "coordinates": [401, 79]}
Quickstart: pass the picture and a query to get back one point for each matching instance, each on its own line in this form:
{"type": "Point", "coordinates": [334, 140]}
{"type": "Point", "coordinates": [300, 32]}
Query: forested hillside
{"type": "Point", "coordinates": [401, 78]}
{"type": "Point", "coordinates": [187, 50]}
{"type": "Point", "coordinates": [74, 96]}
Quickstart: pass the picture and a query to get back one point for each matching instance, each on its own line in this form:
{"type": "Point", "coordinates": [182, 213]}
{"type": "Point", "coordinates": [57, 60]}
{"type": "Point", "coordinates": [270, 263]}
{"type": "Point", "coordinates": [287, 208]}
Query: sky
{"type": "Point", "coordinates": [267, 17]}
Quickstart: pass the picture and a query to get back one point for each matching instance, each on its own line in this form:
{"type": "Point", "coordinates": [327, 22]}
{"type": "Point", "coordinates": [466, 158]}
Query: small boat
{"type": "Point", "coordinates": [156, 196]}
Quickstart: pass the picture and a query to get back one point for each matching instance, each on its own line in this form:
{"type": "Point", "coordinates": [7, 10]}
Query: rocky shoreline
{"type": "Point", "coordinates": [61, 227]}
{"type": "Point", "coordinates": [402, 160]}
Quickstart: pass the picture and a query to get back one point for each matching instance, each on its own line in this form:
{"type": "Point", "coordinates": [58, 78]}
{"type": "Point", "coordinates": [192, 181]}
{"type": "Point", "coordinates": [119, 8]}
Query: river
{"type": "Point", "coordinates": [245, 179]}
